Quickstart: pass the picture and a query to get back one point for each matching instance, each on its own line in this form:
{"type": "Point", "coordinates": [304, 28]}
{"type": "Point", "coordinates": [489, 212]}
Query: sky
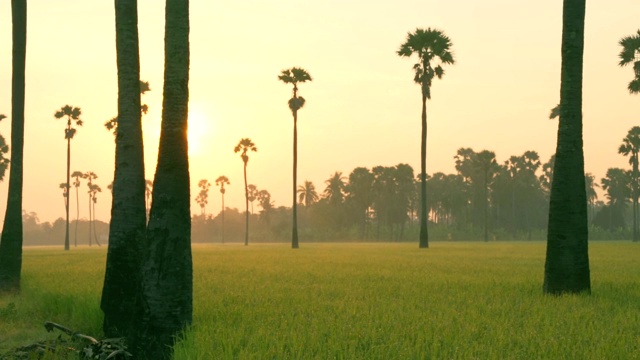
{"type": "Point", "coordinates": [362, 108]}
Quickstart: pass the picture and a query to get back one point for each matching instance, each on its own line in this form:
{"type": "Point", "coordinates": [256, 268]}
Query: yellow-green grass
{"type": "Point", "coordinates": [361, 301]}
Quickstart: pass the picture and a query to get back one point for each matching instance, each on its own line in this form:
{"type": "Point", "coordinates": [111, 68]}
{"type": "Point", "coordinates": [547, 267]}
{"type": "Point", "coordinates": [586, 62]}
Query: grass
{"type": "Point", "coordinates": [361, 301]}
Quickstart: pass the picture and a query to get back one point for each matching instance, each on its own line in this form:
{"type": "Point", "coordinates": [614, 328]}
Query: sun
{"type": "Point", "coordinates": [199, 128]}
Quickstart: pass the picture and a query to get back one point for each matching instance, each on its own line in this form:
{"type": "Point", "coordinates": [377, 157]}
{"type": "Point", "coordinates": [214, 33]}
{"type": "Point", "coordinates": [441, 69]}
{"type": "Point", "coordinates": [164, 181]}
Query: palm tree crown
{"type": "Point", "coordinates": [73, 115]}
{"type": "Point", "coordinates": [294, 76]}
{"type": "Point", "coordinates": [630, 54]}
{"type": "Point", "coordinates": [430, 45]}
{"type": "Point", "coordinates": [307, 194]}
{"type": "Point", "coordinates": [245, 145]}
{"type": "Point", "coordinates": [220, 181]}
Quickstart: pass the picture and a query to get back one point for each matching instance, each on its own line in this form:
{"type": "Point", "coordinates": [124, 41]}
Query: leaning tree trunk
{"type": "Point", "coordinates": [167, 274]}
{"type": "Point", "coordinates": [120, 293]}
{"type": "Point", "coordinates": [294, 231]}
{"type": "Point", "coordinates": [424, 235]}
{"type": "Point", "coordinates": [567, 262]}
{"type": "Point", "coordinates": [11, 241]}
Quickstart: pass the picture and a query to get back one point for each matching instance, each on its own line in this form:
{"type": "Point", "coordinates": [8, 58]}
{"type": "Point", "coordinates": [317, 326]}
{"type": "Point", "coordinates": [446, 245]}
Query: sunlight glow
{"type": "Point", "coordinates": [199, 129]}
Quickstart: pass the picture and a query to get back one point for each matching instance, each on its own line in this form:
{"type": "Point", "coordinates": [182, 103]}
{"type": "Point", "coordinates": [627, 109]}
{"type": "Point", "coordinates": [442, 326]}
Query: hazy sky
{"type": "Point", "coordinates": [363, 108]}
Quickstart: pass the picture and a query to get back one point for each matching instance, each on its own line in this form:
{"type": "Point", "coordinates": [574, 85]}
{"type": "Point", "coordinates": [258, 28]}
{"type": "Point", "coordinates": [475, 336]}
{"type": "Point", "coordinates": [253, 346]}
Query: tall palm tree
{"type": "Point", "coordinates": [631, 147]}
{"type": "Point", "coordinates": [294, 76]}
{"type": "Point", "coordinates": [167, 270]}
{"type": "Point", "coordinates": [431, 46]}
{"type": "Point", "coordinates": [244, 146]}
{"type": "Point", "coordinates": [221, 181]}
{"type": "Point", "coordinates": [77, 175]}
{"type": "Point", "coordinates": [72, 114]}
{"type": "Point", "coordinates": [11, 239]}
{"type": "Point", "coordinates": [90, 176]}
{"type": "Point", "coordinates": [567, 256]}
{"type": "Point", "coordinates": [307, 194]}
{"type": "Point", "coordinates": [630, 53]}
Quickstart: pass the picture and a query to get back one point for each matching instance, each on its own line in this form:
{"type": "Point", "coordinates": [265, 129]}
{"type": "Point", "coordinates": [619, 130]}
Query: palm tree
{"type": "Point", "coordinates": [72, 115]}
{"type": "Point", "coordinates": [221, 181]}
{"type": "Point", "coordinates": [11, 239]}
{"type": "Point", "coordinates": [244, 146]}
{"type": "Point", "coordinates": [630, 147]}
{"type": "Point", "coordinates": [112, 124]}
{"type": "Point", "coordinates": [4, 149]}
{"type": "Point", "coordinates": [336, 186]}
{"type": "Point", "coordinates": [294, 76]}
{"type": "Point", "coordinates": [65, 193]}
{"type": "Point", "coordinates": [567, 257]}
{"type": "Point", "coordinates": [253, 194]}
{"type": "Point", "coordinates": [486, 163]}
{"type": "Point", "coordinates": [430, 45]}
{"type": "Point", "coordinates": [167, 273]}
{"type": "Point", "coordinates": [307, 194]}
{"type": "Point", "coordinates": [630, 53]}
{"type": "Point", "coordinates": [94, 189]}
{"type": "Point", "coordinates": [76, 183]}
{"type": "Point", "coordinates": [592, 196]}
{"type": "Point", "coordinates": [90, 176]}
{"type": "Point", "coordinates": [203, 196]}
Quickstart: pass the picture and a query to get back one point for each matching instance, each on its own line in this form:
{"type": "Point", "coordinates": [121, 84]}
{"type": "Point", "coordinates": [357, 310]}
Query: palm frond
{"type": "Point", "coordinates": [634, 86]}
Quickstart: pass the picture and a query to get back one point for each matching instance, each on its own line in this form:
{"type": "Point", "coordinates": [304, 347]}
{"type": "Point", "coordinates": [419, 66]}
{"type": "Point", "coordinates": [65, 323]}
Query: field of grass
{"type": "Point", "coordinates": [360, 301]}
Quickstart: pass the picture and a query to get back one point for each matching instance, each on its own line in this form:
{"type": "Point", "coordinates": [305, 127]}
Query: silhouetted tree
{"type": "Point", "coordinates": [77, 175]}
{"type": "Point", "coordinates": [203, 196]}
{"type": "Point", "coordinates": [221, 181]}
{"type": "Point", "coordinates": [94, 189]}
{"type": "Point", "coordinates": [567, 258]}
{"type": "Point", "coordinates": [618, 191]}
{"type": "Point", "coordinates": [264, 200]}
{"type": "Point", "coordinates": [429, 45]}
{"type": "Point", "coordinates": [307, 194]}
{"type": "Point", "coordinates": [592, 196]}
{"type": "Point", "coordinates": [485, 161]}
{"type": "Point", "coordinates": [244, 146]}
{"type": "Point", "coordinates": [90, 176]}
{"type": "Point", "coordinates": [334, 191]}
{"type": "Point", "coordinates": [167, 273]}
{"type": "Point", "coordinates": [630, 147]}
{"type": "Point", "coordinates": [11, 239]}
{"type": "Point", "coordinates": [252, 191]}
{"type": "Point", "coordinates": [294, 76]}
{"type": "Point", "coordinates": [630, 53]}
{"type": "Point", "coordinates": [360, 196]}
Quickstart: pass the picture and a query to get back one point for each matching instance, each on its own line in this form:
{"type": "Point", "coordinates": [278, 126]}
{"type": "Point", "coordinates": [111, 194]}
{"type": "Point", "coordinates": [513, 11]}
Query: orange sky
{"type": "Point", "coordinates": [362, 109]}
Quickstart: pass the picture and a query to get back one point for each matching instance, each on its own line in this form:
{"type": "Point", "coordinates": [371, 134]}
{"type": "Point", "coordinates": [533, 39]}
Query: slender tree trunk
{"type": "Point", "coordinates": [567, 261]}
{"type": "Point", "coordinates": [11, 240]}
{"type": "Point", "coordinates": [635, 197]}
{"type": "Point", "coordinates": [167, 272]}
{"type": "Point", "coordinates": [294, 232]}
{"type": "Point", "coordinates": [66, 205]}
{"type": "Point", "coordinates": [424, 236]}
{"type": "Point", "coordinates": [246, 206]}
{"type": "Point", "coordinates": [486, 208]}
{"type": "Point", "coordinates": [90, 219]}
{"type": "Point", "coordinates": [121, 292]}
{"type": "Point", "coordinates": [223, 218]}
{"type": "Point", "coordinates": [75, 238]}
{"type": "Point", "coordinates": [95, 236]}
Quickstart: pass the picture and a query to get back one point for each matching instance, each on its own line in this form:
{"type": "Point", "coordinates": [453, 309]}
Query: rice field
{"type": "Point", "coordinates": [360, 301]}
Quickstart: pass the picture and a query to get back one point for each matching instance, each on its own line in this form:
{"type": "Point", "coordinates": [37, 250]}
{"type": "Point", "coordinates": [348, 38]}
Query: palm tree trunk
{"type": "Point", "coordinates": [246, 206]}
{"type": "Point", "coordinates": [167, 269]}
{"type": "Point", "coordinates": [66, 205]}
{"type": "Point", "coordinates": [486, 207]}
{"type": "Point", "coordinates": [294, 209]}
{"type": "Point", "coordinates": [90, 219]}
{"type": "Point", "coordinates": [635, 197]}
{"type": "Point", "coordinates": [11, 241]}
{"type": "Point", "coordinates": [424, 236]}
{"type": "Point", "coordinates": [95, 236]}
{"type": "Point", "coordinates": [223, 218]}
{"type": "Point", "coordinates": [567, 258]}
{"type": "Point", "coordinates": [75, 238]}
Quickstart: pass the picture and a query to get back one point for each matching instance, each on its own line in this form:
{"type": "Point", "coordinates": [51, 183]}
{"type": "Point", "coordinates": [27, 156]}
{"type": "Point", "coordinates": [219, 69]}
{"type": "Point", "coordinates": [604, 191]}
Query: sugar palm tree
{"type": "Point", "coordinates": [243, 147]}
{"type": "Point", "coordinates": [11, 239]}
{"type": "Point", "coordinates": [77, 175]}
{"type": "Point", "coordinates": [253, 194]}
{"type": "Point", "coordinates": [167, 266]}
{"type": "Point", "coordinates": [294, 76]}
{"type": "Point", "coordinates": [94, 189]}
{"type": "Point", "coordinates": [631, 147]}
{"type": "Point", "coordinates": [433, 49]}
{"type": "Point", "coordinates": [567, 256]}
{"type": "Point", "coordinates": [221, 181]}
{"type": "Point", "coordinates": [72, 115]}
{"type": "Point", "coordinates": [90, 176]}
{"type": "Point", "coordinates": [203, 197]}
{"type": "Point", "coordinates": [307, 194]}
{"type": "Point", "coordinates": [630, 53]}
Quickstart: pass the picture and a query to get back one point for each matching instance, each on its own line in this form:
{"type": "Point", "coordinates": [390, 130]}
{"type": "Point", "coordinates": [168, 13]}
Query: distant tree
{"type": "Point", "coordinates": [567, 257]}
{"type": "Point", "coordinates": [618, 191]}
{"type": "Point", "coordinates": [112, 124]}
{"type": "Point", "coordinates": [77, 175]}
{"type": "Point", "coordinates": [294, 76]}
{"type": "Point", "coordinates": [72, 115]}
{"type": "Point", "coordinates": [630, 53]}
{"type": "Point", "coordinates": [203, 196]}
{"type": "Point", "coordinates": [221, 181]}
{"type": "Point", "coordinates": [244, 146]}
{"type": "Point", "coordinates": [486, 163]}
{"type": "Point", "coordinates": [264, 200]}
{"type": "Point", "coordinates": [93, 195]}
{"type": "Point", "coordinates": [307, 194]}
{"type": "Point", "coordinates": [4, 149]}
{"type": "Point", "coordinates": [65, 193]}
{"type": "Point", "coordinates": [334, 192]}
{"type": "Point", "coordinates": [90, 176]}
{"type": "Point", "coordinates": [253, 194]}
{"type": "Point", "coordinates": [631, 147]}
{"type": "Point", "coordinates": [12, 230]}
{"type": "Point", "coordinates": [360, 195]}
{"type": "Point", "coordinates": [429, 45]}
{"type": "Point", "coordinates": [592, 195]}
{"type": "Point", "coordinates": [167, 266]}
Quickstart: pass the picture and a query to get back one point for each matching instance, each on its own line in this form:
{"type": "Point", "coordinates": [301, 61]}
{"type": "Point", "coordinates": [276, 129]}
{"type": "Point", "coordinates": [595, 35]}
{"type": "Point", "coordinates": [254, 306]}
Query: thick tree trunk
{"type": "Point", "coordinates": [294, 232]}
{"type": "Point", "coordinates": [567, 262]}
{"type": "Point", "coordinates": [121, 290]}
{"type": "Point", "coordinates": [424, 235]}
{"type": "Point", "coordinates": [11, 241]}
{"type": "Point", "coordinates": [167, 274]}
